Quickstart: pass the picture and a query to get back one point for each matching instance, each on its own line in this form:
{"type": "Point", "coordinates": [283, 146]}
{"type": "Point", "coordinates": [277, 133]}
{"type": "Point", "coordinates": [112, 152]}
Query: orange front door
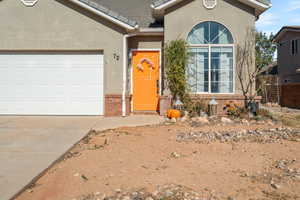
{"type": "Point", "coordinates": [145, 80]}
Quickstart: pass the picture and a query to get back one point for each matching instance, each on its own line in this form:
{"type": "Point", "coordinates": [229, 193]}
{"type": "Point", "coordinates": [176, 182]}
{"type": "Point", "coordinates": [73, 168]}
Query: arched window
{"type": "Point", "coordinates": [210, 68]}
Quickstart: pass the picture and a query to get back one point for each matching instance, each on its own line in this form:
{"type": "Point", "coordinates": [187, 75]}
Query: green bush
{"type": "Point", "coordinates": [176, 57]}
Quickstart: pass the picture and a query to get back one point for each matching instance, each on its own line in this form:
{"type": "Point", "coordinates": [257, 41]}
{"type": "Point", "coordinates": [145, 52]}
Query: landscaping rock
{"type": "Point", "coordinates": [258, 136]}
{"type": "Point", "coordinates": [203, 120]}
{"type": "Point", "coordinates": [175, 192]}
{"type": "Point", "coordinates": [226, 120]}
{"type": "Point", "coordinates": [173, 120]}
{"type": "Point", "coordinates": [175, 155]}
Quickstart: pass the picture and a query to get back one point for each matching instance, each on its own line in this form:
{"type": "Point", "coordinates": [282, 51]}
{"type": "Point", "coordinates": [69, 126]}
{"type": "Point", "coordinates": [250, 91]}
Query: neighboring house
{"type": "Point", "coordinates": [288, 48]}
{"type": "Point", "coordinates": [105, 57]}
{"type": "Point", "coordinates": [271, 69]}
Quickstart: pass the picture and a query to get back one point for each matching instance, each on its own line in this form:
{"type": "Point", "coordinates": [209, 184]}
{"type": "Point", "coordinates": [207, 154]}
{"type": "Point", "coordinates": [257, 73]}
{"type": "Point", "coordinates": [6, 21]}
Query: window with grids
{"type": "Point", "coordinates": [211, 63]}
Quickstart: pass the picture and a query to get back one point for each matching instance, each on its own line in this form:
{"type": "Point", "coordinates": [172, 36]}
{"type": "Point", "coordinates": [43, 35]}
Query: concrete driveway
{"type": "Point", "coordinates": [29, 145]}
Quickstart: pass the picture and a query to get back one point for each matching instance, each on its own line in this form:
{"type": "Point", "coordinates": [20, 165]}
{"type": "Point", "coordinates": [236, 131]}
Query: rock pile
{"type": "Point", "coordinates": [220, 121]}
{"type": "Point", "coordinates": [260, 136]}
{"type": "Point", "coordinates": [280, 174]}
{"type": "Point", "coordinates": [167, 192]}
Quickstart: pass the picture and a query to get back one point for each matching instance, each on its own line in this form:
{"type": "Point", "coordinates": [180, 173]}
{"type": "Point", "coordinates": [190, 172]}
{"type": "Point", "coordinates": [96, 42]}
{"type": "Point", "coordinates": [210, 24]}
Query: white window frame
{"type": "Point", "coordinates": [209, 46]}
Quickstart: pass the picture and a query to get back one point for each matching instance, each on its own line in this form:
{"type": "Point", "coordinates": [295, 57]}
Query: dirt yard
{"type": "Point", "coordinates": [230, 161]}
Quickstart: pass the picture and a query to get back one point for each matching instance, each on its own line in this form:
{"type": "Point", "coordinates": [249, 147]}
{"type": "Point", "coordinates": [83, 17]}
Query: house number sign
{"type": "Point", "coordinates": [209, 4]}
{"type": "Point", "coordinates": [29, 2]}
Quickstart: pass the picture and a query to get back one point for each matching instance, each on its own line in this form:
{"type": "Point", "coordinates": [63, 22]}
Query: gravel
{"type": "Point", "coordinates": [166, 192]}
{"type": "Point", "coordinates": [260, 136]}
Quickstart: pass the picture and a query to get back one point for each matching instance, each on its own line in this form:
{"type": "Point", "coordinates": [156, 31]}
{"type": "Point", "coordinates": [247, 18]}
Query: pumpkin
{"type": "Point", "coordinates": [172, 113]}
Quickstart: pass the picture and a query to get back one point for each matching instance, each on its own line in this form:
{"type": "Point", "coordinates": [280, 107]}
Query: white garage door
{"type": "Point", "coordinates": [51, 84]}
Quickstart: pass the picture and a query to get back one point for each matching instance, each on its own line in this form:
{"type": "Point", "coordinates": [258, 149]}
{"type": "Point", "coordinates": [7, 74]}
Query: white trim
{"type": "Point", "coordinates": [160, 70]}
{"type": "Point", "coordinates": [165, 5]}
{"type": "Point", "coordinates": [125, 65]}
{"type": "Point", "coordinates": [253, 3]}
{"type": "Point", "coordinates": [151, 30]}
{"type": "Point", "coordinates": [210, 7]}
{"type": "Point", "coordinates": [29, 3]}
{"type": "Point", "coordinates": [124, 25]}
{"type": "Point", "coordinates": [209, 46]}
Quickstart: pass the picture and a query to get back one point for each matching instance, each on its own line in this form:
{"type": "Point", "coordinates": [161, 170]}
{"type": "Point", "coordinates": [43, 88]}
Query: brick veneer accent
{"type": "Point", "coordinates": [113, 105]}
{"type": "Point", "coordinates": [222, 99]}
{"type": "Point", "coordinates": [290, 95]}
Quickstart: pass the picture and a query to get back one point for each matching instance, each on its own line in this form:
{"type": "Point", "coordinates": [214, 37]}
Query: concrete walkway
{"type": "Point", "coordinates": [29, 145]}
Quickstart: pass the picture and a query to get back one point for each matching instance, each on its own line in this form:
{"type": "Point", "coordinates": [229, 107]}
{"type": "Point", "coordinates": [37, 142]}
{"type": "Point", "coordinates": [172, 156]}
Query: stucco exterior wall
{"type": "Point", "coordinates": [146, 42]}
{"type": "Point", "coordinates": [287, 62]}
{"type": "Point", "coordinates": [237, 17]}
{"type": "Point", "coordinates": [56, 25]}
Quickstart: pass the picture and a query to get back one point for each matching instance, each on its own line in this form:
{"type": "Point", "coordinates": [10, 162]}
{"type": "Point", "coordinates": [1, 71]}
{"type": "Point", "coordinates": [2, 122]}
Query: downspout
{"type": "Point", "coordinates": [125, 65]}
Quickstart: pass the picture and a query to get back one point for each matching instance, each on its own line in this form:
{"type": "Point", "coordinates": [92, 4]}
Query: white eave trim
{"type": "Point", "coordinates": [97, 12]}
{"type": "Point", "coordinates": [253, 3]}
{"type": "Point", "coordinates": [150, 32]}
{"type": "Point", "coordinates": [165, 5]}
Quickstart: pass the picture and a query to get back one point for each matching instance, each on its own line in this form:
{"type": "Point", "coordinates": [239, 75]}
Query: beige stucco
{"type": "Point", "coordinates": [146, 42]}
{"type": "Point", "coordinates": [54, 25]}
{"type": "Point", "coordinates": [237, 17]}
{"type": "Point", "coordinates": [288, 63]}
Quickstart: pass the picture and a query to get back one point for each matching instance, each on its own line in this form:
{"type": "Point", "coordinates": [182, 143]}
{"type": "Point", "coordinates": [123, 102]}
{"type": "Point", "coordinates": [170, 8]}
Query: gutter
{"type": "Point", "coordinates": [125, 64]}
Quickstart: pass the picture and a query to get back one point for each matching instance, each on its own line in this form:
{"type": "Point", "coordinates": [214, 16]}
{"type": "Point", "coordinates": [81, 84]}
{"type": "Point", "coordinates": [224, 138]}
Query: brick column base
{"type": "Point", "coordinates": [113, 105]}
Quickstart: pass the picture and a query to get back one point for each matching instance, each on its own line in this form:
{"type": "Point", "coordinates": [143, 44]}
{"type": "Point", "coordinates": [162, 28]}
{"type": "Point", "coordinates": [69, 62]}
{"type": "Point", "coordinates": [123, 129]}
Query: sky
{"type": "Point", "coordinates": [282, 13]}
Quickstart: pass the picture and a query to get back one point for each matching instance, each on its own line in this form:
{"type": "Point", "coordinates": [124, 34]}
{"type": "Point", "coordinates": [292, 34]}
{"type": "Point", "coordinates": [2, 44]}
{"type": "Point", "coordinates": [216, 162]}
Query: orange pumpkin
{"type": "Point", "coordinates": [172, 113]}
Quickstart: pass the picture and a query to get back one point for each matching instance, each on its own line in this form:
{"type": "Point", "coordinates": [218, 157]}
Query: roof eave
{"type": "Point", "coordinates": [104, 15]}
{"type": "Point", "coordinates": [282, 31]}
{"type": "Point", "coordinates": [259, 7]}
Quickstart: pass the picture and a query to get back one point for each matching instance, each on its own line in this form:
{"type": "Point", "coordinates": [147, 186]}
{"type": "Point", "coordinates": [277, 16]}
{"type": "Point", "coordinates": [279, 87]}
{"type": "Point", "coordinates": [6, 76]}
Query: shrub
{"type": "Point", "coordinates": [176, 57]}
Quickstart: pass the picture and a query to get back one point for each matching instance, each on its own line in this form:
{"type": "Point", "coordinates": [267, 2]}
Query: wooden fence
{"type": "Point", "coordinates": [290, 95]}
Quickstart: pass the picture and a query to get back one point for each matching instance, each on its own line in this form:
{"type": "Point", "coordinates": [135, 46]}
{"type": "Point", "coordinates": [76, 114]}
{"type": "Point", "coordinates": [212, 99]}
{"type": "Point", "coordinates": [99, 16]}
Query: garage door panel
{"type": "Point", "coordinates": [51, 84]}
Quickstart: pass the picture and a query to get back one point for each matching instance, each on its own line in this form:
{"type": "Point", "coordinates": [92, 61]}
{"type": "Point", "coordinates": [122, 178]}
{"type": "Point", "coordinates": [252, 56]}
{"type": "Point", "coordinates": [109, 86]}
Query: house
{"type": "Point", "coordinates": [288, 48]}
{"type": "Point", "coordinates": [104, 57]}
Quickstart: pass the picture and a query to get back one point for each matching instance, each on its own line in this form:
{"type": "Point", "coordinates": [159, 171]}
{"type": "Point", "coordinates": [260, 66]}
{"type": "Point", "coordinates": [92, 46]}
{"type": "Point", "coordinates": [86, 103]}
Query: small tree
{"type": "Point", "coordinates": [176, 57]}
{"type": "Point", "coordinates": [246, 69]}
{"type": "Point", "coordinates": [264, 49]}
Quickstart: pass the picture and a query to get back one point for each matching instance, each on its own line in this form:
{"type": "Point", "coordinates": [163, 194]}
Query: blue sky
{"type": "Point", "coordinates": [282, 13]}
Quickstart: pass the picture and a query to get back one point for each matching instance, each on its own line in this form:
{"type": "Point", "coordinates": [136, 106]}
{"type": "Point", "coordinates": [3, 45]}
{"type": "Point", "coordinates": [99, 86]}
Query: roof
{"type": "Point", "coordinates": [271, 69]}
{"type": "Point", "coordinates": [285, 29]}
{"type": "Point", "coordinates": [132, 12]}
{"type": "Point", "coordinates": [259, 5]}
{"type": "Point", "coordinates": [99, 7]}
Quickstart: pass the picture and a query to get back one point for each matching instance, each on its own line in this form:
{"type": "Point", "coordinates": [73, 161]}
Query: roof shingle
{"type": "Point", "coordinates": [109, 12]}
